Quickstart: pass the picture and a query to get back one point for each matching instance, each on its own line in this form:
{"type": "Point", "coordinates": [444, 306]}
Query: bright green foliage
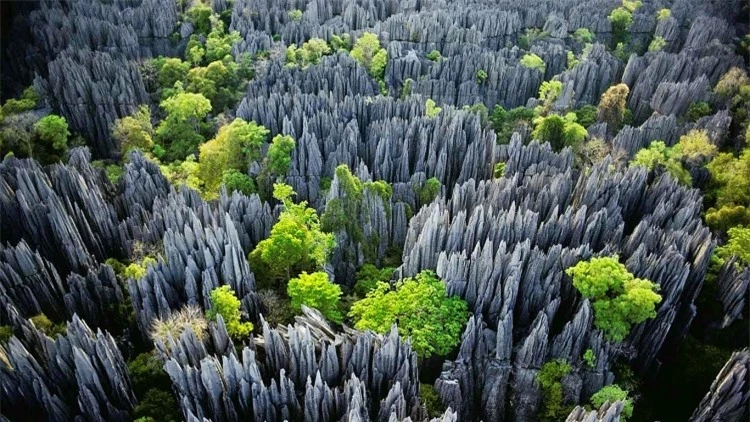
{"type": "Point", "coordinates": [587, 115]}
{"type": "Point", "coordinates": [52, 134]}
{"type": "Point", "coordinates": [200, 16]}
{"type": "Point", "coordinates": [532, 34]}
{"type": "Point", "coordinates": [134, 131]}
{"type": "Point", "coordinates": [280, 154]}
{"type": "Point", "coordinates": [559, 131]}
{"type": "Point", "coordinates": [28, 101]}
{"type": "Point", "coordinates": [219, 43]}
{"type": "Point", "coordinates": [157, 405]}
{"type": "Point", "coordinates": [697, 110]}
{"type": "Point", "coordinates": [429, 190]}
{"type": "Point", "coordinates": [663, 14]}
{"type": "Point", "coordinates": [732, 82]}
{"type": "Point", "coordinates": [309, 53]}
{"type": "Point", "coordinates": [429, 397]}
{"type": "Point", "coordinates": [695, 147]}
{"type": "Point", "coordinates": [657, 44]}
{"type": "Point", "coordinates": [481, 76]}
{"type": "Point", "coordinates": [505, 122]}
{"type": "Point", "coordinates": [549, 91]}
{"type": "Point", "coordinates": [340, 43]}
{"type": "Point", "coordinates": [218, 82]}
{"type": "Point", "coordinates": [433, 55]}
{"type": "Point", "coordinates": [421, 308]}
{"type": "Point", "coordinates": [235, 146]}
{"type": "Point", "coordinates": [368, 53]}
{"type": "Point", "coordinates": [170, 70]}
{"type": "Point", "coordinates": [194, 51]}
{"type": "Point", "coordinates": [295, 15]}
{"type": "Point", "coordinates": [316, 291]}
{"type": "Point", "coordinates": [6, 332]}
{"type": "Point", "coordinates": [619, 299]}
{"type": "Point", "coordinates": [431, 110]}
{"type": "Point", "coordinates": [631, 5]}
{"type": "Point", "coordinates": [499, 170]}
{"type": "Point", "coordinates": [368, 278]}
{"type": "Point", "coordinates": [620, 18]}
{"type": "Point", "coordinates": [137, 270]}
{"type": "Point", "coordinates": [659, 156]}
{"type": "Point", "coordinates": [572, 60]}
{"type": "Point", "coordinates": [46, 326]}
{"type": "Point", "coordinates": [183, 173]}
{"type": "Point", "coordinates": [612, 106]}
{"type": "Point", "coordinates": [583, 36]}
{"type": "Point", "coordinates": [590, 358]}
{"type": "Point", "coordinates": [178, 132]}
{"type": "Point", "coordinates": [732, 179]}
{"type": "Point", "coordinates": [550, 382]}
{"type": "Point", "coordinates": [237, 181]}
{"type": "Point", "coordinates": [532, 61]}
{"type": "Point", "coordinates": [737, 245]}
{"type": "Point", "coordinates": [296, 242]}
{"type": "Point", "coordinates": [225, 303]}
{"type": "Point", "coordinates": [613, 393]}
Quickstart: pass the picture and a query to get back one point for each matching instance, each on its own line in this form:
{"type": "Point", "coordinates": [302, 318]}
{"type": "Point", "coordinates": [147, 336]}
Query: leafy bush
{"type": "Point", "coordinates": [134, 131]}
{"type": "Point", "coordinates": [170, 71]}
{"type": "Point", "coordinates": [499, 170]}
{"type": "Point", "coordinates": [731, 178]}
{"type": "Point", "coordinates": [549, 91]}
{"type": "Point", "coordinates": [6, 332]}
{"type": "Point", "coordinates": [429, 397]}
{"type": "Point", "coordinates": [619, 299]}
{"type": "Point", "coordinates": [587, 115]}
{"type": "Point", "coordinates": [480, 76]}
{"type": "Point", "coordinates": [46, 326]}
{"type": "Point", "coordinates": [146, 371]}
{"type": "Point", "coordinates": [295, 15]}
{"type": "Point", "coordinates": [178, 132]}
{"type": "Point", "coordinates": [738, 245]}
{"type": "Point", "coordinates": [225, 303]}
{"type": "Point", "coordinates": [550, 382]}
{"type": "Point", "coordinates": [431, 110]}
{"type": "Point", "coordinates": [620, 18]}
{"type": "Point", "coordinates": [200, 16]}
{"type": "Point", "coordinates": [558, 131]}
{"type": "Point", "coordinates": [663, 14]}
{"type": "Point", "coordinates": [695, 147]}
{"type": "Point", "coordinates": [429, 190]}
{"type": "Point", "coordinates": [506, 122]}
{"type": "Point", "coordinates": [52, 134]}
{"type": "Point", "coordinates": [532, 35]}
{"type": "Point", "coordinates": [175, 324]}
{"type": "Point", "coordinates": [590, 358]}
{"type": "Point", "coordinates": [657, 44]}
{"type": "Point", "coordinates": [572, 60]}
{"type": "Point", "coordinates": [613, 393]}
{"type": "Point", "coordinates": [583, 36]}
{"type": "Point", "coordinates": [612, 106]}
{"type": "Point", "coordinates": [697, 110]}
{"type": "Point", "coordinates": [368, 53]}
{"type": "Point", "coordinates": [340, 43]}
{"type": "Point", "coordinates": [369, 276]}
{"type": "Point", "coordinates": [421, 308]}
{"type": "Point", "coordinates": [433, 55]}
{"type": "Point", "coordinates": [235, 180]}
{"type": "Point", "coordinates": [137, 270]}
{"type": "Point", "coordinates": [158, 405]}
{"type": "Point", "coordinates": [28, 101]}
{"type": "Point", "coordinates": [296, 242]}
{"type": "Point", "coordinates": [280, 154]}
{"type": "Point", "coordinates": [309, 53]}
{"type": "Point", "coordinates": [532, 61]}
{"type": "Point", "coordinates": [662, 158]}
{"type": "Point", "coordinates": [316, 291]}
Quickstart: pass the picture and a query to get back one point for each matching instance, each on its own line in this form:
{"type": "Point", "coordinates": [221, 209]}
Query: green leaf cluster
{"type": "Point", "coordinates": [662, 158]}
{"type": "Point", "coordinates": [738, 245]}
{"type": "Point", "coordinates": [179, 132]}
{"type": "Point", "coordinates": [559, 131]}
{"type": "Point", "coordinates": [134, 131]}
{"type": "Point", "coordinates": [369, 276]}
{"type": "Point", "coordinates": [224, 302]}
{"type": "Point", "coordinates": [532, 61]}
{"type": "Point", "coordinates": [429, 190]}
{"type": "Point", "coordinates": [422, 310]}
{"type": "Point", "coordinates": [730, 176]}
{"type": "Point", "coordinates": [505, 122]}
{"type": "Point", "coordinates": [434, 56]}
{"type": "Point", "coordinates": [550, 382]}
{"type": "Point", "coordinates": [613, 393]}
{"type": "Point", "coordinates": [370, 55]}
{"type": "Point", "coordinates": [430, 109]}
{"type": "Point", "coordinates": [619, 299]}
{"type": "Point", "coordinates": [309, 53]}
{"type": "Point", "coordinates": [316, 291]}
{"type": "Point", "coordinates": [45, 325]}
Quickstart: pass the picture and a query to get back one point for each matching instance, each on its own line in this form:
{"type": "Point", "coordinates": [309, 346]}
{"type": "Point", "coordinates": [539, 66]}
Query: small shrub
{"type": "Point", "coordinates": [315, 291]}
{"type": "Point", "coordinates": [663, 14]}
{"type": "Point", "coordinates": [697, 110]}
{"type": "Point", "coordinates": [738, 245]}
{"type": "Point", "coordinates": [175, 324]}
{"type": "Point", "coordinates": [295, 15]}
{"type": "Point", "coordinates": [583, 36]}
{"type": "Point", "coordinates": [429, 397]}
{"type": "Point", "coordinates": [480, 76]}
{"type": "Point", "coordinates": [434, 55]}
{"type": "Point", "coordinates": [499, 170]}
{"type": "Point", "coordinates": [237, 181]}
{"type": "Point", "coordinates": [657, 44]}
{"type": "Point", "coordinates": [147, 371]}
{"type": "Point", "coordinates": [532, 61]}
{"type": "Point", "coordinates": [550, 382]}
{"type": "Point", "coordinates": [368, 278]}
{"type": "Point", "coordinates": [590, 358]}
{"type": "Point", "coordinates": [46, 326]}
{"type": "Point", "coordinates": [158, 405]}
{"type": "Point", "coordinates": [429, 190]}
{"type": "Point", "coordinates": [6, 332]}
{"type": "Point", "coordinates": [225, 303]}
{"type": "Point", "coordinates": [431, 110]}
{"type": "Point", "coordinates": [659, 156]}
{"type": "Point", "coordinates": [586, 115]}
{"type": "Point", "coordinates": [613, 393]}
{"type": "Point", "coordinates": [620, 18]}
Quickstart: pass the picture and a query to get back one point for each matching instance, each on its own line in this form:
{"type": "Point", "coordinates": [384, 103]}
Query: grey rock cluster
{"type": "Point", "coordinates": [728, 396]}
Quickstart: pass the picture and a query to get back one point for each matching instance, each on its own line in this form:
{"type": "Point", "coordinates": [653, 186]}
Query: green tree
{"type": "Point", "coordinates": [429, 190]}
{"type": "Point", "coordinates": [697, 110]}
{"type": "Point", "coordinates": [171, 71]}
{"type": "Point", "coordinates": [429, 397]}
{"type": "Point", "coordinates": [559, 131]}
{"type": "Point", "coordinates": [619, 299]}
{"type": "Point", "coordinates": [662, 158]}
{"type": "Point", "coordinates": [587, 115]}
{"type": "Point", "coordinates": [422, 310]}
{"type": "Point", "coordinates": [612, 106]}
{"type": "Point", "coordinates": [218, 43]}
{"type": "Point", "coordinates": [613, 393]}
{"type": "Point", "coordinates": [583, 36]}
{"type": "Point", "coordinates": [295, 15]}
{"type": "Point", "coordinates": [695, 147]}
{"type": "Point", "coordinates": [280, 154]}
{"type": "Point", "coordinates": [200, 16]}
{"type": "Point", "coordinates": [368, 53]}
{"type": "Point", "coordinates": [480, 76]}
{"type": "Point", "coordinates": [146, 371]}
{"type": "Point", "coordinates": [505, 122]}
{"type": "Point", "coordinates": [738, 245]}
{"type": "Point", "coordinates": [316, 291]}
{"type": "Point", "coordinates": [309, 53]}
{"type": "Point", "coordinates": [550, 382]}
{"type": "Point", "coordinates": [549, 91]}
{"type": "Point", "coordinates": [430, 109]}
{"type": "Point", "coordinates": [532, 61]}
{"type": "Point", "coordinates": [731, 179]}
{"type": "Point", "coordinates": [134, 131]}
{"type": "Point", "coordinates": [663, 14]}
{"type": "Point", "coordinates": [296, 242]}
{"type": "Point", "coordinates": [157, 404]}
{"type": "Point", "coordinates": [657, 44]}
{"type": "Point", "coordinates": [620, 18]}
{"type": "Point", "coordinates": [52, 135]}
{"type": "Point", "coordinates": [178, 132]}
{"type": "Point", "coordinates": [369, 276]}
{"type": "Point", "coordinates": [28, 101]}
{"type": "Point", "coordinates": [224, 302]}
{"type": "Point", "coordinates": [590, 358]}
{"type": "Point", "coordinates": [434, 56]}
{"type": "Point", "coordinates": [235, 180]}
{"type": "Point", "coordinates": [45, 325]}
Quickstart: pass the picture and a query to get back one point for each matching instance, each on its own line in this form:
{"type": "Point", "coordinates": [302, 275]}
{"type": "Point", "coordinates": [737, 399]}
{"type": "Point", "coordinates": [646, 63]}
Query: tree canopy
{"type": "Point", "coordinates": [619, 299]}
{"type": "Point", "coordinates": [225, 303]}
{"type": "Point", "coordinates": [316, 291]}
{"type": "Point", "coordinates": [421, 309]}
